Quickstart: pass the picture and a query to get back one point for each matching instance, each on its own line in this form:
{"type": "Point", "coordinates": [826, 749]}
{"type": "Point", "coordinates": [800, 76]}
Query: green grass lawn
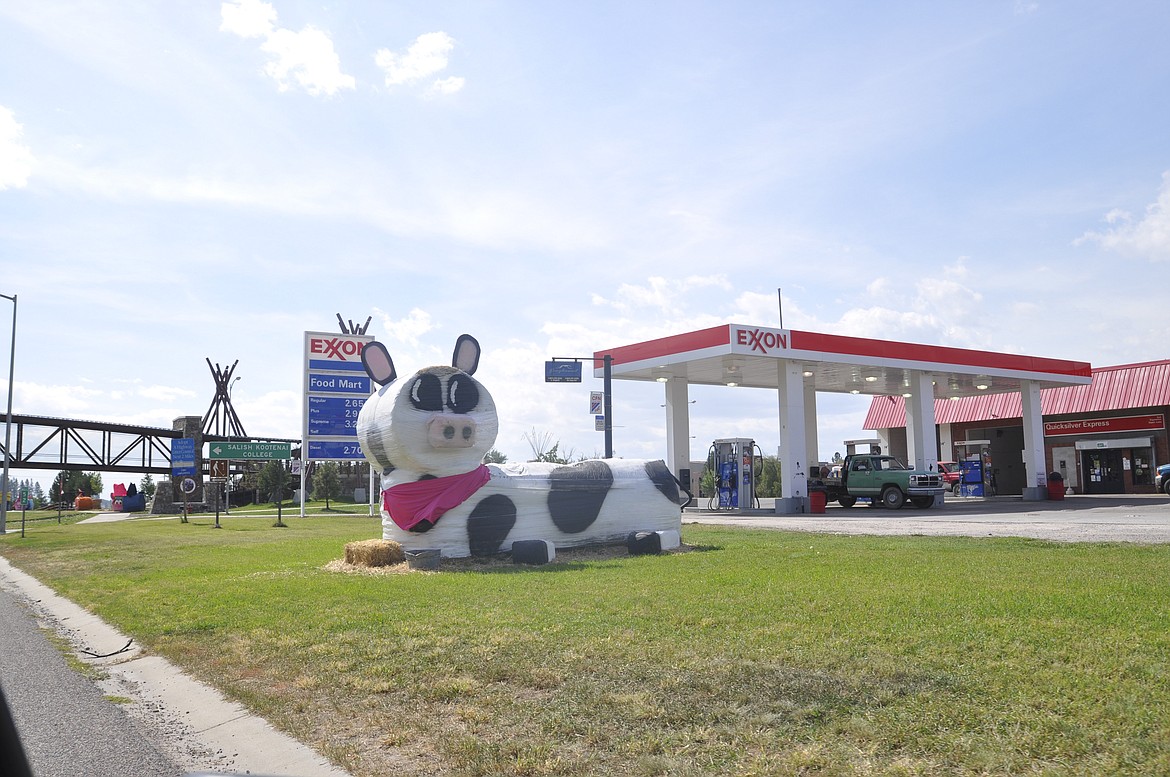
{"type": "Point", "coordinates": [754, 653]}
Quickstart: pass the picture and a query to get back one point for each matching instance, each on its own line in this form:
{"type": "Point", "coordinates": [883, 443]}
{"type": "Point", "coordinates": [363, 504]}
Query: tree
{"type": "Point", "coordinates": [768, 482]}
{"type": "Point", "coordinates": [707, 482]}
{"type": "Point", "coordinates": [495, 457]}
{"type": "Point", "coordinates": [66, 485]}
{"type": "Point", "coordinates": [544, 449]}
{"type": "Point", "coordinates": [326, 482]}
{"type": "Point", "coordinates": [273, 484]}
{"type": "Point", "coordinates": [146, 486]}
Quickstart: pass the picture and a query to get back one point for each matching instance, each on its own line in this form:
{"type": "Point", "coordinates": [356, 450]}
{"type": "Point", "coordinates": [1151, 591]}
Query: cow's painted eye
{"type": "Point", "coordinates": [462, 394]}
{"type": "Point", "coordinates": [427, 393]}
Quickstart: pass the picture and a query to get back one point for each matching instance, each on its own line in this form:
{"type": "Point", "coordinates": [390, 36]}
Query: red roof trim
{"type": "Point", "coordinates": [938, 354]}
{"type": "Point", "coordinates": [669, 346]}
{"type": "Point", "coordinates": [814, 342]}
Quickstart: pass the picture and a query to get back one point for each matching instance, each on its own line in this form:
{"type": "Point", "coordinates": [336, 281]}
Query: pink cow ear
{"type": "Point", "coordinates": [466, 356]}
{"type": "Point", "coordinates": [379, 366]}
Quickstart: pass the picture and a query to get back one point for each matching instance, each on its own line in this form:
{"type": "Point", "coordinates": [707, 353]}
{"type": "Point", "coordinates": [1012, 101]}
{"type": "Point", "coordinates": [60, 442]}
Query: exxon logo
{"type": "Point", "coordinates": [762, 340]}
{"type": "Point", "coordinates": [336, 348]}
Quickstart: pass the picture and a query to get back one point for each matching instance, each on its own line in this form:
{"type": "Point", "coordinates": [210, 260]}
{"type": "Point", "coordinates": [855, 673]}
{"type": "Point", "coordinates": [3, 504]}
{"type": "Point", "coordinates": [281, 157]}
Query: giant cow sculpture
{"type": "Point", "coordinates": [428, 440]}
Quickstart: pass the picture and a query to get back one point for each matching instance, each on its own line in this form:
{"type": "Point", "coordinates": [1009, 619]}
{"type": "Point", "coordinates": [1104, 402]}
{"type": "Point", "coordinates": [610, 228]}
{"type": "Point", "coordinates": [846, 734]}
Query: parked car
{"type": "Point", "coordinates": [950, 474]}
{"type": "Point", "coordinates": [1162, 479]}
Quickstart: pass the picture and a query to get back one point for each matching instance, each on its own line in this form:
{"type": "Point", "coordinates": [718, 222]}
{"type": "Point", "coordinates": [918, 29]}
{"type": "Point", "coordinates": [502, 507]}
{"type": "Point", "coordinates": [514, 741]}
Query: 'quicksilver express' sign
{"type": "Point", "coordinates": [1128, 423]}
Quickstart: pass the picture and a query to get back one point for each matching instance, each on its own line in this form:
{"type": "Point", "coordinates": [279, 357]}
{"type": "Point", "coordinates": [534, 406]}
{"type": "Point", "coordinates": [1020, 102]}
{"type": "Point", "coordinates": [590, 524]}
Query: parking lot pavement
{"type": "Point", "coordinates": [1120, 518]}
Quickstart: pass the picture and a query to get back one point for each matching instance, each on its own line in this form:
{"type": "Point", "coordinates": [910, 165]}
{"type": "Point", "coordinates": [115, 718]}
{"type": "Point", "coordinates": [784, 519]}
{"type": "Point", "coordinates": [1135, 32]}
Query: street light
{"type": "Point", "coordinates": [8, 423]}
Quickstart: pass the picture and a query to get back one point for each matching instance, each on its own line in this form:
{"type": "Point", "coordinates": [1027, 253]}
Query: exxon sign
{"type": "Point", "coordinates": [760, 341]}
{"type": "Point", "coordinates": [335, 348]}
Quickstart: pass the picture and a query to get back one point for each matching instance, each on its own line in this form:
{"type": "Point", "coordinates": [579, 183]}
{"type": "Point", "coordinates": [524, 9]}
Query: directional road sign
{"type": "Point", "coordinates": [250, 451]}
{"type": "Point", "coordinates": [182, 456]}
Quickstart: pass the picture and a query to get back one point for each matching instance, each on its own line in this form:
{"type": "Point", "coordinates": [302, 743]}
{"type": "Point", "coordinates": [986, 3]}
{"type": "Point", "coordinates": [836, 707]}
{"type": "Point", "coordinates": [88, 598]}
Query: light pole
{"type": "Point", "coordinates": [8, 422]}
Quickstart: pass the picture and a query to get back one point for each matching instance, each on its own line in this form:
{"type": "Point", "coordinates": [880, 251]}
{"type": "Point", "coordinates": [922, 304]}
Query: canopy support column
{"type": "Point", "coordinates": [922, 450]}
{"type": "Point", "coordinates": [678, 429]}
{"type": "Point", "coordinates": [1035, 469]}
{"type": "Point", "coordinates": [793, 443]}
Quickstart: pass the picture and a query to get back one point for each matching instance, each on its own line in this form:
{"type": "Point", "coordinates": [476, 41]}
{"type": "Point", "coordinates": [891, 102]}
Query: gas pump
{"type": "Point", "coordinates": [976, 478]}
{"type": "Point", "coordinates": [734, 461]}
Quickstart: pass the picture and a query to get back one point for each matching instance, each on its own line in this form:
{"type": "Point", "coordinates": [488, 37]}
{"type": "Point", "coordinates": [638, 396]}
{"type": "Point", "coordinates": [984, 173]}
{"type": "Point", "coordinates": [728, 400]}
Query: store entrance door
{"type": "Point", "coordinates": [1103, 472]}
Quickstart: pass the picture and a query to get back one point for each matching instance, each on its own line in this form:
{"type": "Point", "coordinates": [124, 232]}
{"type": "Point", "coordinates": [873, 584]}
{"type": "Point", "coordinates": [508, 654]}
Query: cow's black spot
{"type": "Point", "coordinates": [426, 393]}
{"type": "Point", "coordinates": [462, 394]}
{"type": "Point", "coordinates": [425, 476]}
{"type": "Point", "coordinates": [577, 493]}
{"type": "Point", "coordinates": [663, 480]}
{"type": "Point", "coordinates": [489, 523]}
{"type": "Point", "coordinates": [422, 526]}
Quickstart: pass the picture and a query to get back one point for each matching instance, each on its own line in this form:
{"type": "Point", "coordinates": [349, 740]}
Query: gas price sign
{"type": "Point", "coordinates": [336, 387]}
{"type": "Point", "coordinates": [331, 416]}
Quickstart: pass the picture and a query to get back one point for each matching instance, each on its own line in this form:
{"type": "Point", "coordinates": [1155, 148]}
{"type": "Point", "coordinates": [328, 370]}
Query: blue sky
{"type": "Point", "coordinates": [205, 180]}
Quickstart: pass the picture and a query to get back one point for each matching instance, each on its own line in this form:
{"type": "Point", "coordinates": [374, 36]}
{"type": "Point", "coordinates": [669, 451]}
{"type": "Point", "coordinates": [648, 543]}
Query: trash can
{"type": "Point", "coordinates": [817, 499]}
{"type": "Point", "coordinates": [1055, 486]}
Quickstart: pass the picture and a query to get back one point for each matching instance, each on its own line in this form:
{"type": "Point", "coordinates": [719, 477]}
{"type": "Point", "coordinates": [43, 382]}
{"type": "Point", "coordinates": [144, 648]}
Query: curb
{"type": "Point", "coordinates": [226, 737]}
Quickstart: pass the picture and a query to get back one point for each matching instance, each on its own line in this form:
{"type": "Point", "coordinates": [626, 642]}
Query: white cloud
{"type": "Point", "coordinates": [306, 57]}
{"type": "Point", "coordinates": [409, 329]}
{"type": "Point", "coordinates": [425, 57]}
{"type": "Point", "coordinates": [661, 293]}
{"type": "Point", "coordinates": [447, 85]}
{"type": "Point", "coordinates": [1148, 236]}
{"type": "Point", "coordinates": [309, 56]}
{"type": "Point", "coordinates": [248, 18]}
{"type": "Point", "coordinates": [16, 159]}
{"type": "Point", "coordinates": [165, 393]}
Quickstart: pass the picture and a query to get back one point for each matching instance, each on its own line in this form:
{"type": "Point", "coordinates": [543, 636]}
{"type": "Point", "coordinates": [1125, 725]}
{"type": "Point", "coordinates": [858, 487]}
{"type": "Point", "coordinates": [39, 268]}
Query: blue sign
{"type": "Point", "coordinates": [562, 372]}
{"type": "Point", "coordinates": [334, 416]}
{"type": "Point", "coordinates": [183, 457]}
{"type": "Point", "coordinates": [333, 450]}
{"type": "Point", "coordinates": [324, 364]}
{"type": "Point", "coordinates": [339, 384]}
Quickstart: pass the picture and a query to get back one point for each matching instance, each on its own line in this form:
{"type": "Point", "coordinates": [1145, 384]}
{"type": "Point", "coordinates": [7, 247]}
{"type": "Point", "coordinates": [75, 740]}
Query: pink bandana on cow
{"type": "Point", "coordinates": [426, 500]}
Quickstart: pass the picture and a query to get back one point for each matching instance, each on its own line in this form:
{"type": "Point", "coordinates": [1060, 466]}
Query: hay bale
{"type": "Point", "coordinates": [373, 553]}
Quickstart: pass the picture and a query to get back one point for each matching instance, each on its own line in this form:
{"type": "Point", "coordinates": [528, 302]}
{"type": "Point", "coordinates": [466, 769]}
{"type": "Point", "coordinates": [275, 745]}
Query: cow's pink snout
{"type": "Point", "coordinates": [451, 431]}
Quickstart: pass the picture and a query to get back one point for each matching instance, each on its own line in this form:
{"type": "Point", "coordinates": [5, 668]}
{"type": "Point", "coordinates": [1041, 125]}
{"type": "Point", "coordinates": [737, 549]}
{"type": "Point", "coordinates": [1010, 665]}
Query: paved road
{"type": "Point", "coordinates": [189, 722]}
{"type": "Point", "coordinates": [67, 725]}
{"type": "Point", "coordinates": [1121, 518]}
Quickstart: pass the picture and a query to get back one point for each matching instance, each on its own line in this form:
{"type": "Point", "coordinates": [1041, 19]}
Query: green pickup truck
{"type": "Point", "coordinates": [885, 480]}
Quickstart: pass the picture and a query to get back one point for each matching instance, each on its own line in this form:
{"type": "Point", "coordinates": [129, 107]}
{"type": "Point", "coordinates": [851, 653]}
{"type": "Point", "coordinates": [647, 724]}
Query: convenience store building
{"type": "Point", "coordinates": [1106, 437]}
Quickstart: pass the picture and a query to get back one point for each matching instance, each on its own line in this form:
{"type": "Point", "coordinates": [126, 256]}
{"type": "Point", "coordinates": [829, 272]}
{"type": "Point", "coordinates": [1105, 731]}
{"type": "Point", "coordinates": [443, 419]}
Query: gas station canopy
{"type": "Point", "coordinates": [741, 355]}
{"type": "Point", "coordinates": [798, 365]}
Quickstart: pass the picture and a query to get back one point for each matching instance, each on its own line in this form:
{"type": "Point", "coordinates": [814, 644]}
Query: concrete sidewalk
{"type": "Point", "coordinates": [195, 724]}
